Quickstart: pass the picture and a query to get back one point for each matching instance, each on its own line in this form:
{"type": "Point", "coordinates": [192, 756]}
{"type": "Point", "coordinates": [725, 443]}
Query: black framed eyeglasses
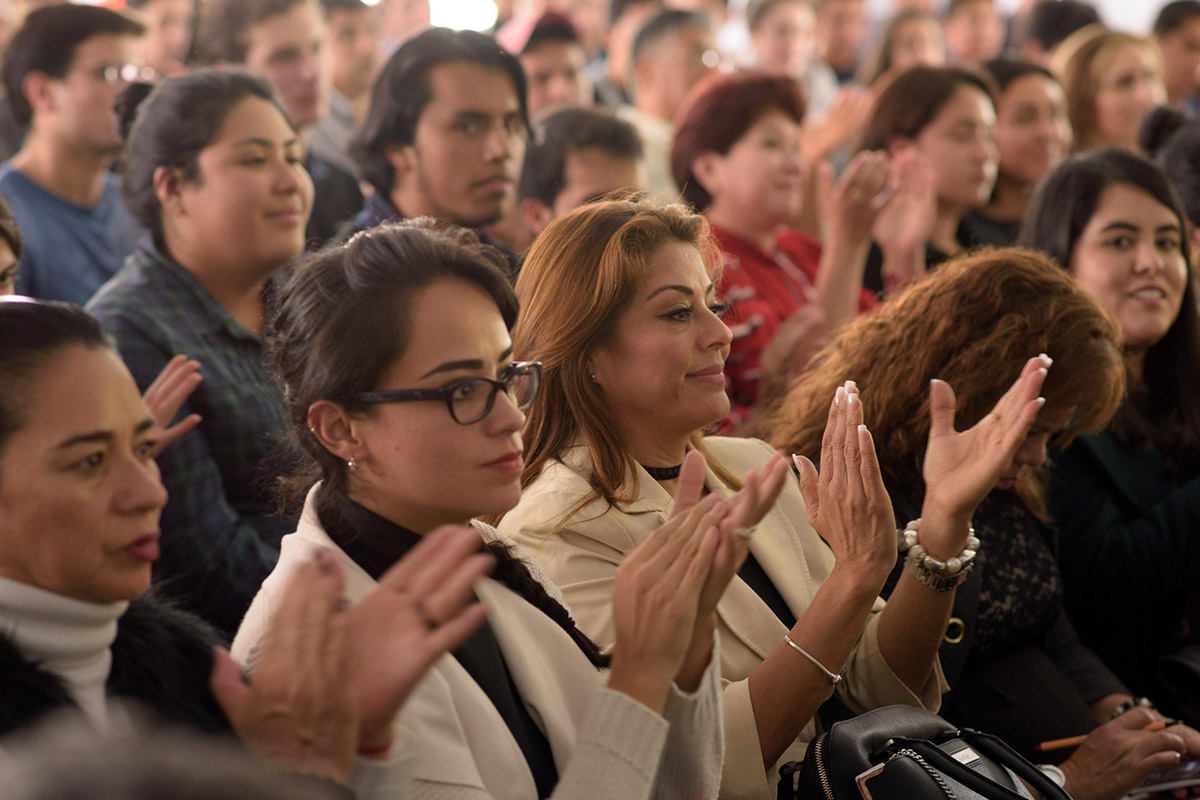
{"type": "Point", "coordinates": [471, 399]}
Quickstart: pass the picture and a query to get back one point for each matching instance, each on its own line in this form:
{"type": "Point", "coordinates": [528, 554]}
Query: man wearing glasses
{"type": "Point", "coordinates": [63, 71]}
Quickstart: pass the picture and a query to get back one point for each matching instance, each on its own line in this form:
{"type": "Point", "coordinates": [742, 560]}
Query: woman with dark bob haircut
{"type": "Point", "coordinates": [1015, 666]}
{"type": "Point", "coordinates": [947, 115]}
{"type": "Point", "coordinates": [79, 631]}
{"type": "Point", "coordinates": [395, 360]}
{"type": "Point", "coordinates": [619, 303]}
{"type": "Point", "coordinates": [737, 159]}
{"type": "Point", "coordinates": [1128, 498]}
{"type": "Point", "coordinates": [214, 171]}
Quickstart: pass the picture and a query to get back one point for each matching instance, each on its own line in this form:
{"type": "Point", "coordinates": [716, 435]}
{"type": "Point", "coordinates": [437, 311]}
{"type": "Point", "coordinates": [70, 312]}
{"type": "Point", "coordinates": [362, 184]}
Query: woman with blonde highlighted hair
{"type": "Point", "coordinates": [1112, 80]}
{"type": "Point", "coordinates": [618, 302]}
{"type": "Point", "coordinates": [1015, 665]}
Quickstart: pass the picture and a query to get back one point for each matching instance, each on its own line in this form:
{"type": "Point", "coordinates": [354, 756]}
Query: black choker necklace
{"type": "Point", "coordinates": [663, 473]}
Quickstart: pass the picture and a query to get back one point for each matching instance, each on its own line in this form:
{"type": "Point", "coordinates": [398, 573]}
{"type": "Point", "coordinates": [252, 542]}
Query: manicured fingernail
{"type": "Point", "coordinates": [1043, 371]}
{"type": "Point", "coordinates": [851, 399]}
{"type": "Point", "coordinates": [851, 386]}
{"type": "Point", "coordinates": [796, 460]}
{"type": "Point", "coordinates": [1041, 401]}
{"type": "Point", "coordinates": [1046, 358]}
{"type": "Point", "coordinates": [862, 429]}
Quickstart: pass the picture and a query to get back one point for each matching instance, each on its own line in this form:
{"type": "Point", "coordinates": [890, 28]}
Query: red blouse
{"type": "Point", "coordinates": [762, 291]}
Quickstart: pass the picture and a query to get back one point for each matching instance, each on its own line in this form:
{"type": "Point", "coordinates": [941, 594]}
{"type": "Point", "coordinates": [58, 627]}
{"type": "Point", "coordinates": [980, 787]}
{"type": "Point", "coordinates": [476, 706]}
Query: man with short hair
{"type": "Point", "coordinates": [283, 41]}
{"type": "Point", "coordinates": [672, 52]}
{"type": "Point", "coordinates": [580, 155]}
{"type": "Point", "coordinates": [445, 135]}
{"type": "Point", "coordinates": [973, 30]}
{"type": "Point", "coordinates": [555, 66]}
{"type": "Point", "coordinates": [841, 29]}
{"type": "Point", "coordinates": [168, 36]}
{"type": "Point", "coordinates": [352, 42]}
{"type": "Point", "coordinates": [1046, 25]}
{"type": "Point", "coordinates": [63, 71]}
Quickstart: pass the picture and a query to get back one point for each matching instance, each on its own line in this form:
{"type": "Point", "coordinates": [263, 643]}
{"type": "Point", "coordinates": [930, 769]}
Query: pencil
{"type": "Point", "coordinates": [1075, 741]}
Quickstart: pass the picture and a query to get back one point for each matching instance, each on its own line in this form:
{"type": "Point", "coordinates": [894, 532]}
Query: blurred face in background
{"type": "Point", "coordinates": [1180, 51]}
{"type": "Point", "coordinates": [917, 42]}
{"type": "Point", "coordinates": [974, 31]}
{"type": "Point", "coordinates": [785, 38]}
{"type": "Point", "coordinates": [960, 147]}
{"type": "Point", "coordinates": [556, 76]}
{"type": "Point", "coordinates": [1128, 86]}
{"type": "Point", "coordinates": [168, 34]}
{"type": "Point", "coordinates": [288, 50]}
{"type": "Point", "coordinates": [352, 42]}
{"type": "Point", "coordinates": [1033, 134]}
{"type": "Point", "coordinates": [841, 26]}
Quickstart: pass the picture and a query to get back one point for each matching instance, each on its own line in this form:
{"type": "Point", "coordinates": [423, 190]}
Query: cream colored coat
{"type": "Point", "coordinates": [581, 557]}
{"type": "Point", "coordinates": [605, 744]}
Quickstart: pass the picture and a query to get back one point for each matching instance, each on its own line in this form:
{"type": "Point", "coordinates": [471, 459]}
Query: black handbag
{"type": "Point", "coordinates": [902, 753]}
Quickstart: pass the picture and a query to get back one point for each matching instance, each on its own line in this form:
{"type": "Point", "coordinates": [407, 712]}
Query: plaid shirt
{"type": "Point", "coordinates": [219, 539]}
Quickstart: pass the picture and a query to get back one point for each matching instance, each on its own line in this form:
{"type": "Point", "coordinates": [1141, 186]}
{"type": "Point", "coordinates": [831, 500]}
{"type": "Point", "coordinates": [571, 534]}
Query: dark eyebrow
{"type": "Point", "coordinates": [266, 142]}
{"type": "Point", "coordinates": [468, 363]}
{"type": "Point", "coordinates": [1119, 226]}
{"type": "Point", "coordinates": [475, 116]}
{"type": "Point", "coordinates": [97, 437]}
{"type": "Point", "coordinates": [675, 287]}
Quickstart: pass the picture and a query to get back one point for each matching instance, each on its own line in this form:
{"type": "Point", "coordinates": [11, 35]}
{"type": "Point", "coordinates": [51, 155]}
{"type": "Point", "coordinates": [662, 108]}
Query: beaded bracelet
{"type": "Point", "coordinates": [941, 576]}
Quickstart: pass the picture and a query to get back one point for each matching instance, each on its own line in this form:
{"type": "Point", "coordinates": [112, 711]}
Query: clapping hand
{"type": "Point", "coordinates": [847, 503]}
{"type": "Point", "coordinates": [178, 379]}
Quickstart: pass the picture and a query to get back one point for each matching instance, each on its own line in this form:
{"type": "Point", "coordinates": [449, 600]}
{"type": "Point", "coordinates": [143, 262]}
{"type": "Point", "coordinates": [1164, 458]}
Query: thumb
{"type": "Point", "coordinates": [691, 483]}
{"type": "Point", "coordinates": [824, 184]}
{"type": "Point", "coordinates": [227, 684]}
{"type": "Point", "coordinates": [808, 484]}
{"type": "Point", "coordinates": [941, 408]}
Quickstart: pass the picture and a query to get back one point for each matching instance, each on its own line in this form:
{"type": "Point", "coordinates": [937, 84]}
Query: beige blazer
{"type": "Point", "coordinates": [605, 744]}
{"type": "Point", "coordinates": [582, 557]}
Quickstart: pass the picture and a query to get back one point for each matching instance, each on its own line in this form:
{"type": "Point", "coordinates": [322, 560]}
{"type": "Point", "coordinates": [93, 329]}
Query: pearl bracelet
{"type": "Point", "coordinates": [941, 576]}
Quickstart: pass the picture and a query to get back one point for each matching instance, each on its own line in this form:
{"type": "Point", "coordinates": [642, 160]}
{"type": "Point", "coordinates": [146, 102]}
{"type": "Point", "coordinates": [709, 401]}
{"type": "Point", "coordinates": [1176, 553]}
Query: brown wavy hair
{"type": "Point", "coordinates": [973, 322]}
{"type": "Point", "coordinates": [579, 277]}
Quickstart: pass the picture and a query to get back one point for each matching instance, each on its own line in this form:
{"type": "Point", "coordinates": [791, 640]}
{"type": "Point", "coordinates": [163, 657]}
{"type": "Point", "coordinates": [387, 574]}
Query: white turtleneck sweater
{"type": "Point", "coordinates": [69, 638]}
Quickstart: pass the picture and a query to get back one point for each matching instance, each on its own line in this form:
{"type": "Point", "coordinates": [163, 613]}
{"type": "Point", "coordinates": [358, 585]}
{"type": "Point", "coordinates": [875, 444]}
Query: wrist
{"type": "Point", "coordinates": [641, 682]}
{"type": "Point", "coordinates": [377, 743]}
{"type": "Point", "coordinates": [943, 533]}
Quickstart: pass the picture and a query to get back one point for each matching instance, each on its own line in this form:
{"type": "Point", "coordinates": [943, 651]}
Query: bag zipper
{"type": "Point", "coordinates": [822, 774]}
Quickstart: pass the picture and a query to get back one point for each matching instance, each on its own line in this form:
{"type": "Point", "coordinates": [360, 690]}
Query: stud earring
{"type": "Point", "coordinates": [352, 464]}
{"type": "Point", "coordinates": [592, 376]}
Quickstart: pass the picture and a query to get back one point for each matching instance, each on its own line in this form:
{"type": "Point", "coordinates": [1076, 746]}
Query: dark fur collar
{"type": "Point", "coordinates": [162, 659]}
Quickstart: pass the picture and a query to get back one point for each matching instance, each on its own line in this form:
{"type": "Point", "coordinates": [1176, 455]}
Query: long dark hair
{"type": "Point", "coordinates": [1163, 409]}
{"type": "Point", "coordinates": [343, 321]}
{"type": "Point", "coordinates": [913, 100]}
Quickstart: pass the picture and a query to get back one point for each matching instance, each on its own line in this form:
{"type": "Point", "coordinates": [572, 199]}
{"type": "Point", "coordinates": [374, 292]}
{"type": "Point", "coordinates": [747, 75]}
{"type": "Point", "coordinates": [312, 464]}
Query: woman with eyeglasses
{"type": "Point", "coordinates": [214, 171]}
{"type": "Point", "coordinates": [394, 356]}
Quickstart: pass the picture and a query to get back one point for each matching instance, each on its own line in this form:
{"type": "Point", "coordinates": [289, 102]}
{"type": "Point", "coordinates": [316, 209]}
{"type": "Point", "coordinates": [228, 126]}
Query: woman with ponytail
{"type": "Point", "coordinates": [395, 361]}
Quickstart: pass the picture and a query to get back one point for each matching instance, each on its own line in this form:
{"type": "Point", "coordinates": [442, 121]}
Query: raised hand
{"type": "Point", "coordinates": [853, 203]}
{"type": "Point", "coordinates": [842, 123]}
{"type": "Point", "coordinates": [905, 222]}
{"type": "Point", "coordinates": [847, 503]}
{"type": "Point", "coordinates": [297, 712]}
{"type": "Point", "coordinates": [420, 610]}
{"type": "Point", "coordinates": [962, 468]}
{"type": "Point", "coordinates": [178, 379]}
{"type": "Point", "coordinates": [656, 601]}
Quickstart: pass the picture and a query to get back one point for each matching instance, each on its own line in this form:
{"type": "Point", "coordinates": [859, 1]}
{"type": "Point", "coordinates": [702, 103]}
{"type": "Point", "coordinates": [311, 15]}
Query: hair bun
{"type": "Point", "coordinates": [127, 105]}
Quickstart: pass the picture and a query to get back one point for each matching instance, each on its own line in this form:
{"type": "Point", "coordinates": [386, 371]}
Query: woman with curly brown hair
{"type": "Point", "coordinates": [1016, 667]}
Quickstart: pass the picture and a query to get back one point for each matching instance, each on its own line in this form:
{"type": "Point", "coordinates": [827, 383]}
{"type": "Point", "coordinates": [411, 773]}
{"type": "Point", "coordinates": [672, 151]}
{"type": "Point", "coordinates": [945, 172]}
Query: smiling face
{"type": "Point", "coordinates": [79, 493]}
{"type": "Point", "coordinates": [417, 466]}
{"type": "Point", "coordinates": [1127, 89]}
{"type": "Point", "coordinates": [761, 179]}
{"type": "Point", "coordinates": [467, 148]}
{"type": "Point", "coordinates": [1130, 259]}
{"type": "Point", "coordinates": [960, 147]}
{"type": "Point", "coordinates": [249, 203]}
{"type": "Point", "coordinates": [1033, 133]}
{"type": "Point", "coordinates": [662, 370]}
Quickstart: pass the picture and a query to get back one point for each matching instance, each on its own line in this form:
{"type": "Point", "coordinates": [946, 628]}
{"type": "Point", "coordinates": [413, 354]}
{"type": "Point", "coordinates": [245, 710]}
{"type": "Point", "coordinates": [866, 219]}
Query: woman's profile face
{"type": "Point", "coordinates": [80, 494]}
{"type": "Point", "coordinates": [959, 144]}
{"type": "Point", "coordinates": [663, 370]}
{"type": "Point", "coordinates": [1127, 89]}
{"type": "Point", "coordinates": [1033, 133]}
{"type": "Point", "coordinates": [762, 175]}
{"type": "Point", "coordinates": [417, 466]}
{"type": "Point", "coordinates": [1129, 257]}
{"type": "Point", "coordinates": [250, 202]}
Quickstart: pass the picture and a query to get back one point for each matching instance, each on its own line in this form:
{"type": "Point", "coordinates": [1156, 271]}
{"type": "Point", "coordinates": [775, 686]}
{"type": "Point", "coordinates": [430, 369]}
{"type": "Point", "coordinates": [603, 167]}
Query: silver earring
{"type": "Point", "coordinates": [352, 464]}
{"type": "Point", "coordinates": [592, 376]}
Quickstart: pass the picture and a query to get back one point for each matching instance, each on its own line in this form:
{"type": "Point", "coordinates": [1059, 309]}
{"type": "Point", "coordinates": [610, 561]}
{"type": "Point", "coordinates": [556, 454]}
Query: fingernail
{"type": "Point", "coordinates": [1041, 401]}
{"type": "Point", "coordinates": [1043, 371]}
{"type": "Point", "coordinates": [1046, 358]}
{"type": "Point", "coordinates": [851, 386]}
{"type": "Point", "coordinates": [718, 508]}
{"type": "Point", "coordinates": [862, 429]}
{"type": "Point", "coordinates": [797, 462]}
{"type": "Point", "coordinates": [851, 399]}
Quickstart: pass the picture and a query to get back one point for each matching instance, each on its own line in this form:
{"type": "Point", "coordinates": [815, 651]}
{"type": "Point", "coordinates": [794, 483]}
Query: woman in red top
{"type": "Point", "coordinates": [736, 157]}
